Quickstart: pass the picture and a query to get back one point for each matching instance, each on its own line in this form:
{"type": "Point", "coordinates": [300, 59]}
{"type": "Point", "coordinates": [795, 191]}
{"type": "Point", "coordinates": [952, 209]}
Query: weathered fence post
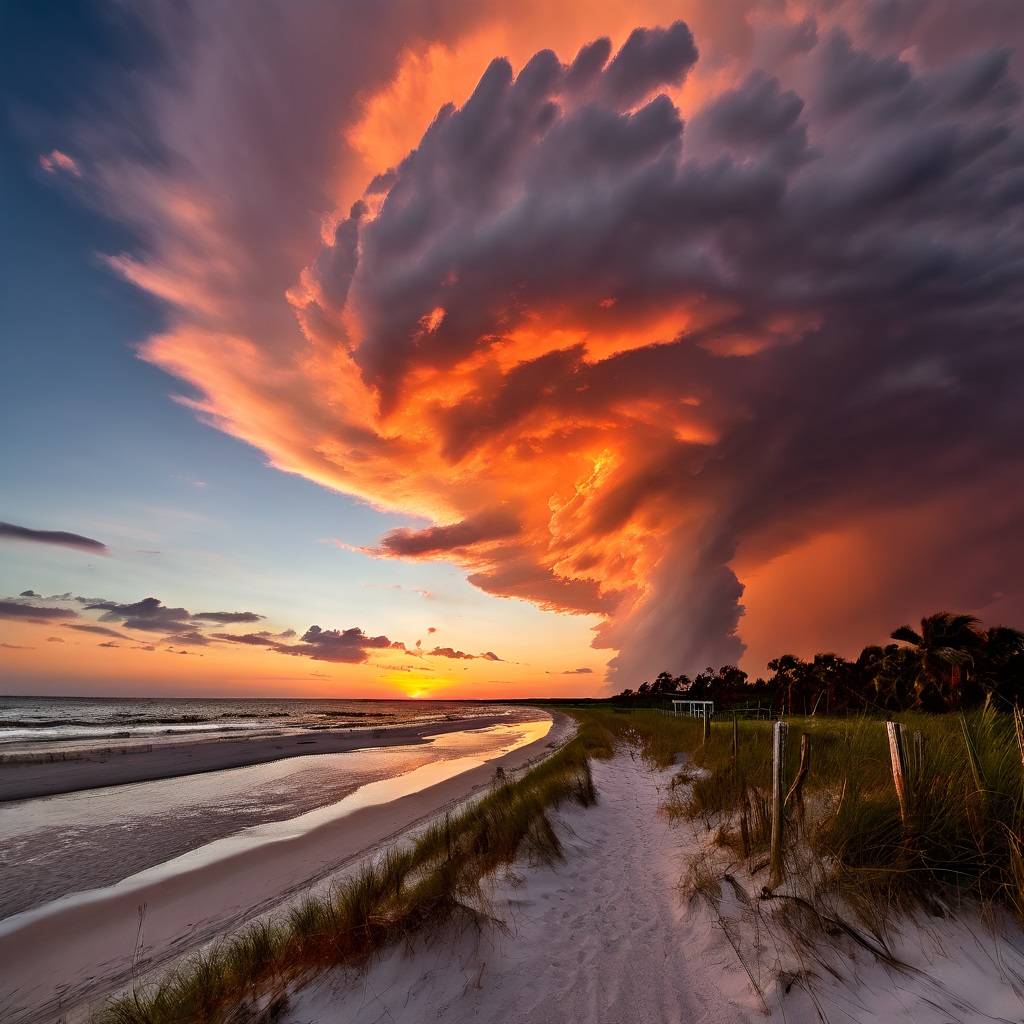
{"type": "Point", "coordinates": [780, 731]}
{"type": "Point", "coordinates": [735, 741]}
{"type": "Point", "coordinates": [918, 737]}
{"type": "Point", "coordinates": [795, 793]}
{"type": "Point", "coordinates": [898, 757]}
{"type": "Point", "coordinates": [707, 724]}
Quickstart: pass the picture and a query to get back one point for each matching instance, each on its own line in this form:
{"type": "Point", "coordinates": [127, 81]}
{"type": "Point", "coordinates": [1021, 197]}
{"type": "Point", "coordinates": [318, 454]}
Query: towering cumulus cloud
{"type": "Point", "coordinates": [620, 326]}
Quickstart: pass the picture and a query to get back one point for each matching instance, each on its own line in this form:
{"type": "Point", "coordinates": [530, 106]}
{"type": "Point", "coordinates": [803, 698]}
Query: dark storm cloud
{"type": "Point", "coordinates": [877, 270]}
{"type": "Point", "coordinates": [651, 58]}
{"type": "Point", "coordinates": [678, 349]}
{"type": "Point", "coordinates": [56, 537]}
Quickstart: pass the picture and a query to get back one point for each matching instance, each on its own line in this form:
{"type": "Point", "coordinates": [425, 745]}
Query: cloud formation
{"type": "Point", "coordinates": [149, 614]}
{"type": "Point", "coordinates": [347, 646]}
{"type": "Point", "coordinates": [351, 646]}
{"type": "Point", "coordinates": [451, 652]}
{"type": "Point", "coordinates": [32, 613]}
{"type": "Point", "coordinates": [89, 627]}
{"type": "Point", "coordinates": [226, 618]}
{"type": "Point", "coordinates": [56, 537]}
{"type": "Point", "coordinates": [629, 327]}
{"type": "Point", "coordinates": [56, 161]}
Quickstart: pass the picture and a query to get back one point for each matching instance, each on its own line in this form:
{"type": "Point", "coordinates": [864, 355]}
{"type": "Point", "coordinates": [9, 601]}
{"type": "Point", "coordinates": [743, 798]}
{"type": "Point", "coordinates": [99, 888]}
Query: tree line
{"type": "Point", "coordinates": [951, 663]}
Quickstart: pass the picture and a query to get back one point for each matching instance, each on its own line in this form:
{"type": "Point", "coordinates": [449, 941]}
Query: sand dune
{"type": "Point", "coordinates": [602, 937]}
{"type": "Point", "coordinates": [607, 938]}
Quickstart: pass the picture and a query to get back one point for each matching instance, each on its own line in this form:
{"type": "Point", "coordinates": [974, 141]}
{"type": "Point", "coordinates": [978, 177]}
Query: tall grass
{"type": "Point", "coordinates": [963, 837]}
{"type": "Point", "coordinates": [432, 881]}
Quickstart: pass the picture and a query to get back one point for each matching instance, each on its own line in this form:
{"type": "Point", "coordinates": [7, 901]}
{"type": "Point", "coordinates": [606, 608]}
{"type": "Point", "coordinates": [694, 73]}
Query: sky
{"type": "Point", "coordinates": [494, 349]}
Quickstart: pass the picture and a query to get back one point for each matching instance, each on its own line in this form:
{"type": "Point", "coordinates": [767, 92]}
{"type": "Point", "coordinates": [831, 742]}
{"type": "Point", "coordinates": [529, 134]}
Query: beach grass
{"type": "Point", "coordinates": [961, 841]}
{"type": "Point", "coordinates": [962, 838]}
{"type": "Point", "coordinates": [426, 883]}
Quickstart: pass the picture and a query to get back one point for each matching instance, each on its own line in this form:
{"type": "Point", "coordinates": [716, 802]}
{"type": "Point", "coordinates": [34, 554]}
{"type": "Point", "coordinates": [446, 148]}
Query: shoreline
{"type": "Point", "coordinates": [29, 778]}
{"type": "Point", "coordinates": [90, 940]}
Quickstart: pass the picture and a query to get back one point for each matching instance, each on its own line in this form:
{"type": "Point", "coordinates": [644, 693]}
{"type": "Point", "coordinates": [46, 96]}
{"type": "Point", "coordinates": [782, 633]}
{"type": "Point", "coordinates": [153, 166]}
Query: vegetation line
{"type": "Point", "coordinates": [953, 662]}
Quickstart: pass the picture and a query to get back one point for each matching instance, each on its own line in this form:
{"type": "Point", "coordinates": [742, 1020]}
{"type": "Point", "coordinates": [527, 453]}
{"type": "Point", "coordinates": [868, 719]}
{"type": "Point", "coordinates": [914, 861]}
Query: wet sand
{"type": "Point", "coordinates": [66, 954]}
{"type": "Point", "coordinates": [29, 778]}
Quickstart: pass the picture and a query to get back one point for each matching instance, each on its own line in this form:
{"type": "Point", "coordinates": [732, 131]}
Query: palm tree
{"type": "Point", "coordinates": [1002, 663]}
{"type": "Point", "coordinates": [945, 650]}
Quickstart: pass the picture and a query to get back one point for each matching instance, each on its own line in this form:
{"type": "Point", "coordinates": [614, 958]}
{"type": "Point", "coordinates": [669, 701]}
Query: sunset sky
{"type": "Point", "coordinates": [502, 349]}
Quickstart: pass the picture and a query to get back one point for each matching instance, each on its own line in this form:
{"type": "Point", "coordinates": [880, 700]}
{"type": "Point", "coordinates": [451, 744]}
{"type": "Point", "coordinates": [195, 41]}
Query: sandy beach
{"type": "Point", "coordinates": [96, 942]}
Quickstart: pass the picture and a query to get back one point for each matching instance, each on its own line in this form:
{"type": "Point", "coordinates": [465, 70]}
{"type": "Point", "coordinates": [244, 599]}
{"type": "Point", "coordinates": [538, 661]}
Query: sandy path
{"type": "Point", "coordinates": [605, 938]}
{"type": "Point", "coordinates": [601, 938]}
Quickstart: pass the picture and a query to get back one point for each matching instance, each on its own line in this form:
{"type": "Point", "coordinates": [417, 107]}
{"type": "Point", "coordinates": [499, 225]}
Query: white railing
{"type": "Point", "coordinates": [694, 708]}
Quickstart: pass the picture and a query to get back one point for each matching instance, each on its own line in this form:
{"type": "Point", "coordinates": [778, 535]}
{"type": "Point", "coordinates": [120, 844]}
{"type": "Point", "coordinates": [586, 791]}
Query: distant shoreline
{"type": "Point", "coordinates": [26, 776]}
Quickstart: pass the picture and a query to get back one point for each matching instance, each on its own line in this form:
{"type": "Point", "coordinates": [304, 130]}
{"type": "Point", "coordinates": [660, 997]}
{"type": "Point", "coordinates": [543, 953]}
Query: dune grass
{"type": "Point", "coordinates": [964, 833]}
{"type": "Point", "coordinates": [428, 882]}
{"type": "Point", "coordinates": [963, 839]}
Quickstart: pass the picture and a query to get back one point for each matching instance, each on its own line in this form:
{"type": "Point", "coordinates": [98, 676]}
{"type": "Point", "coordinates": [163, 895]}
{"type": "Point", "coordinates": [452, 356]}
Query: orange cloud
{"type": "Point", "coordinates": [623, 324]}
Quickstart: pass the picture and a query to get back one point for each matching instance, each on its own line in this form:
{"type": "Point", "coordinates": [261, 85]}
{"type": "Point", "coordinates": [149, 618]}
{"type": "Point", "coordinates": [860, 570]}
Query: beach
{"type": "Point", "coordinates": [610, 907]}
{"type": "Point", "coordinates": [611, 935]}
{"type": "Point", "coordinates": [95, 941]}
{"type": "Point", "coordinates": [33, 773]}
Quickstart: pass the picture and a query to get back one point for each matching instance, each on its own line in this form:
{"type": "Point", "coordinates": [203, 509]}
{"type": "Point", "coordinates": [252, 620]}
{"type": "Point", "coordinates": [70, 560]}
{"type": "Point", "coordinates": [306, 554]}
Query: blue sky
{"type": "Point", "coordinates": [96, 443]}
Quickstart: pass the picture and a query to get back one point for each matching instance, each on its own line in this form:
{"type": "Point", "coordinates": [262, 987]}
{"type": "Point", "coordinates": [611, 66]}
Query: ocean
{"type": "Point", "coordinates": [32, 722]}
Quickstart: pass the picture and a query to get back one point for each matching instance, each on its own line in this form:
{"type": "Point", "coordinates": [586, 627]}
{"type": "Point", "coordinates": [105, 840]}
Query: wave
{"type": "Point", "coordinates": [358, 714]}
{"type": "Point", "coordinates": [127, 718]}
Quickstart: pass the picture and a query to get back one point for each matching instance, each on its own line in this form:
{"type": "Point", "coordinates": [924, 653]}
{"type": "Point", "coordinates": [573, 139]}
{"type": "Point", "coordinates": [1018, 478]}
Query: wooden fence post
{"type": "Point", "coordinates": [707, 724]}
{"type": "Point", "coordinates": [898, 757]}
{"type": "Point", "coordinates": [918, 757]}
{"type": "Point", "coordinates": [795, 793]}
{"type": "Point", "coordinates": [735, 741]}
{"type": "Point", "coordinates": [780, 731]}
